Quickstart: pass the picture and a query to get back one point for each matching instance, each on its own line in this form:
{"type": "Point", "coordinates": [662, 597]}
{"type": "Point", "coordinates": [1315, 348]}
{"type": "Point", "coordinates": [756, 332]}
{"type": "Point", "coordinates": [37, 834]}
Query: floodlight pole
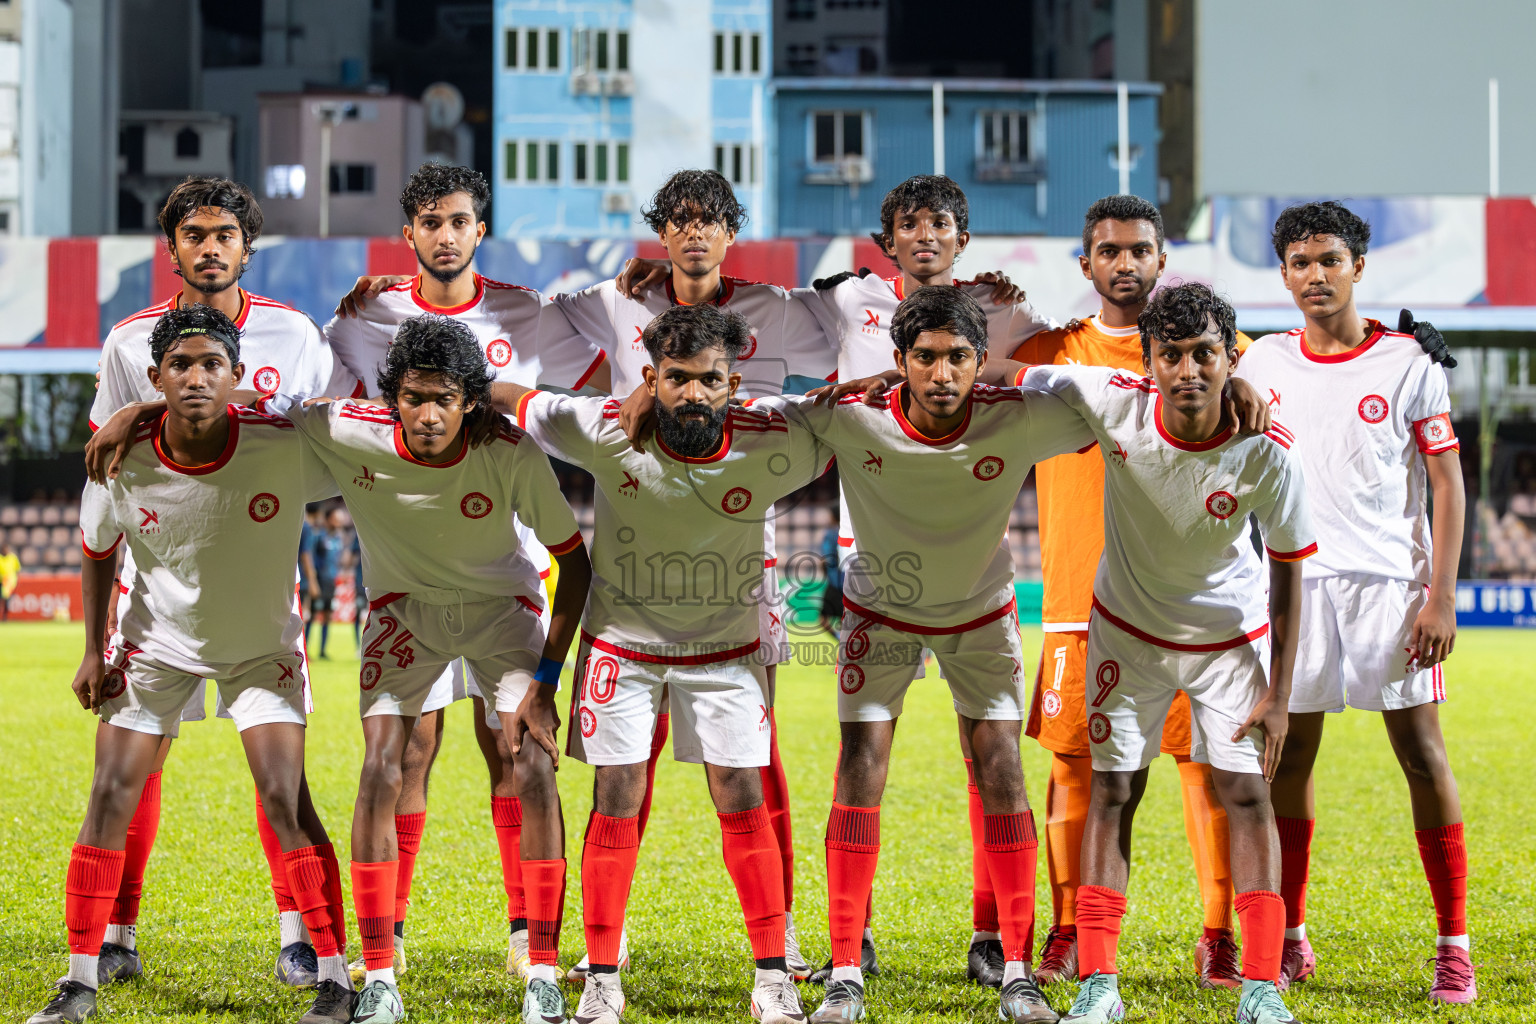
{"type": "Point", "coordinates": [326, 123]}
{"type": "Point", "coordinates": [938, 127]}
{"type": "Point", "coordinates": [1123, 119]}
{"type": "Point", "coordinates": [1493, 138]}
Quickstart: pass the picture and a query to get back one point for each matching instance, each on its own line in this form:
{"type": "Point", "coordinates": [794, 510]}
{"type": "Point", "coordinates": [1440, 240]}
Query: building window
{"type": "Point", "coordinates": [738, 53]}
{"type": "Point", "coordinates": [840, 146]}
{"type": "Point", "coordinates": [285, 181]}
{"type": "Point", "coordinates": [532, 162]}
{"type": "Point", "coordinates": [189, 144]}
{"type": "Point", "coordinates": [532, 49]}
{"type": "Point", "coordinates": [600, 163]}
{"type": "Point", "coordinates": [1005, 146]}
{"type": "Point", "coordinates": [738, 161]}
{"type": "Point", "coordinates": [800, 10]}
{"type": "Point", "coordinates": [355, 178]}
{"type": "Point", "coordinates": [600, 50]}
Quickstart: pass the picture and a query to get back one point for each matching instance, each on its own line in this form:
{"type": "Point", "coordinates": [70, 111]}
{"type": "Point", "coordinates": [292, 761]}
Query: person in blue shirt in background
{"type": "Point", "coordinates": [325, 551]}
{"type": "Point", "coordinates": [832, 596]}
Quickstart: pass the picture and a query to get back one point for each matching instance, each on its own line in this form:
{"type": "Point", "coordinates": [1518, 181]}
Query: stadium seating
{"type": "Point", "coordinates": [44, 535]}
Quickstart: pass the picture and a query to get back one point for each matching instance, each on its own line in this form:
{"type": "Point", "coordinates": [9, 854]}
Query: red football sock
{"type": "Point", "coordinates": [90, 888]}
{"type": "Point", "coordinates": [1444, 853]}
{"type": "Point", "coordinates": [307, 877]}
{"type": "Point", "coordinates": [776, 800]}
{"type": "Point", "coordinates": [607, 869]}
{"type": "Point", "coordinates": [853, 851]}
{"type": "Point", "coordinates": [1262, 915]}
{"type": "Point", "coordinates": [1099, 911]}
{"type": "Point", "coordinates": [752, 859]}
{"type": "Point", "coordinates": [141, 839]}
{"type": "Point", "coordinates": [507, 816]}
{"type": "Point", "coordinates": [983, 898]}
{"type": "Point", "coordinates": [373, 897]}
{"type": "Point", "coordinates": [273, 851]}
{"type": "Point", "coordinates": [658, 744]}
{"type": "Point", "coordinates": [1295, 852]}
{"type": "Point", "coordinates": [1066, 817]}
{"type": "Point", "coordinates": [408, 829]}
{"type": "Point", "coordinates": [545, 882]}
{"type": "Point", "coordinates": [1011, 849]}
{"type": "Point", "coordinates": [335, 900]}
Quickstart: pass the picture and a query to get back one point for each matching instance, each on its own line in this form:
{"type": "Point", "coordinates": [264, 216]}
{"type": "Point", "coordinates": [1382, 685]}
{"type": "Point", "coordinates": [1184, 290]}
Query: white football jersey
{"type": "Point", "coordinates": [525, 340]}
{"type": "Point", "coordinates": [1178, 569]}
{"type": "Point", "coordinates": [214, 545]}
{"type": "Point", "coordinates": [677, 546]}
{"type": "Point", "coordinates": [856, 316]}
{"type": "Point", "coordinates": [1361, 420]}
{"type": "Point", "coordinates": [281, 348]}
{"type": "Point", "coordinates": [425, 527]}
{"type": "Point", "coordinates": [786, 338]}
{"type": "Point", "coordinates": [930, 515]}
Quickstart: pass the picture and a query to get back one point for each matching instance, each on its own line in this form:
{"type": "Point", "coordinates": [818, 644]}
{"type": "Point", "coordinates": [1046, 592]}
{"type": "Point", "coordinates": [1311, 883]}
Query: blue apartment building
{"type": "Point", "coordinates": [598, 101]}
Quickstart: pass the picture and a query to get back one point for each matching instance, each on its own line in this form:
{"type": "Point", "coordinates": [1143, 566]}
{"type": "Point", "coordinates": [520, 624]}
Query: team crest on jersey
{"type": "Point", "coordinates": [1373, 408]}
{"type": "Point", "coordinates": [267, 380]}
{"type": "Point", "coordinates": [1221, 504]}
{"type": "Point", "coordinates": [873, 463]}
{"type": "Point", "coordinates": [851, 679]}
{"type": "Point", "coordinates": [499, 352]}
{"type": "Point", "coordinates": [1434, 431]}
{"type": "Point", "coordinates": [751, 349]}
{"type": "Point", "coordinates": [988, 468]}
{"type": "Point", "coordinates": [736, 500]}
{"type": "Point", "coordinates": [588, 722]}
{"type": "Point", "coordinates": [370, 676]}
{"type": "Point", "coordinates": [151, 521]}
{"type": "Point", "coordinates": [364, 479]}
{"type": "Point", "coordinates": [1050, 703]}
{"type": "Point", "coordinates": [475, 505]}
{"type": "Point", "coordinates": [1098, 727]}
{"type": "Point", "coordinates": [114, 684]}
{"type": "Point", "coordinates": [263, 507]}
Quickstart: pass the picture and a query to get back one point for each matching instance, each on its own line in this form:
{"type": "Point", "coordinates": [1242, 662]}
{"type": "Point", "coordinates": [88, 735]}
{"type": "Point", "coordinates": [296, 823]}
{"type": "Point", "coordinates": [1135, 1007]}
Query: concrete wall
{"type": "Point", "coordinates": [1366, 97]}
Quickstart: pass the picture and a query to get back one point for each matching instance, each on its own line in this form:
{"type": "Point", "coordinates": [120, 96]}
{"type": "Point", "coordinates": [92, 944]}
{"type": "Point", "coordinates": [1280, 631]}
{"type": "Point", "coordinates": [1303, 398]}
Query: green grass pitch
{"type": "Point", "coordinates": [208, 928]}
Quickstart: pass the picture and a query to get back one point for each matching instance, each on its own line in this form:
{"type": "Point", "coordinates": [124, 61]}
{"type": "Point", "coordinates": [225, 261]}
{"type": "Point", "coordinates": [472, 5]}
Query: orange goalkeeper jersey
{"type": "Point", "coordinates": [1071, 487]}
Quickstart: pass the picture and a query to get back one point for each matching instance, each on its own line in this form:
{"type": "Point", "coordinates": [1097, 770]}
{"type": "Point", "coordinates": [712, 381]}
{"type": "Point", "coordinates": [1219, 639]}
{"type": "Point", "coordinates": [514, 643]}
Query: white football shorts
{"type": "Point", "coordinates": [1355, 633]}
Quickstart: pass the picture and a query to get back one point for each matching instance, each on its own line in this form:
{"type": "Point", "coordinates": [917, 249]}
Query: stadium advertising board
{"type": "Point", "coordinates": [1495, 603]}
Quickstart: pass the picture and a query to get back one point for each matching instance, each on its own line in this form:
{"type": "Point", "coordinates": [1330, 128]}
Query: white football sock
{"type": "Point", "coordinates": [290, 928]}
{"type": "Point", "coordinates": [985, 937]}
{"type": "Point", "coordinates": [1013, 970]}
{"type": "Point", "coordinates": [125, 935]}
{"type": "Point", "coordinates": [542, 972]}
{"type": "Point", "coordinates": [1454, 940]}
{"type": "Point", "coordinates": [387, 975]}
{"type": "Point", "coordinates": [848, 974]}
{"type": "Point", "coordinates": [1298, 933]}
{"type": "Point", "coordinates": [82, 968]}
{"type": "Point", "coordinates": [334, 968]}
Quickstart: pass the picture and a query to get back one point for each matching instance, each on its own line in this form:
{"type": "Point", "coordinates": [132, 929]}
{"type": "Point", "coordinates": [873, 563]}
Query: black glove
{"type": "Point", "coordinates": [826, 284]}
{"type": "Point", "coordinates": [1428, 336]}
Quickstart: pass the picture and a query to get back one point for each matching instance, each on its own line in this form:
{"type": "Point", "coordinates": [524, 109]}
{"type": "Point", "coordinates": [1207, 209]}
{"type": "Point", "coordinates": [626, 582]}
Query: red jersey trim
{"type": "Point", "coordinates": [770, 563]}
{"type": "Point", "coordinates": [734, 654]}
{"type": "Point", "coordinates": [99, 555]}
{"type": "Point", "coordinates": [405, 453]}
{"type": "Point", "coordinates": [448, 310]}
{"type": "Point", "coordinates": [156, 310]}
{"type": "Point", "coordinates": [727, 289]}
{"type": "Point", "coordinates": [845, 542]}
{"type": "Point", "coordinates": [525, 602]}
{"type": "Point", "coordinates": [581, 381]}
{"type": "Point", "coordinates": [1220, 439]}
{"type": "Point", "coordinates": [380, 602]}
{"type": "Point", "coordinates": [1377, 333]}
{"type": "Point", "coordinates": [720, 453]}
{"type": "Point", "coordinates": [917, 435]}
{"type": "Point", "coordinates": [1169, 645]}
{"type": "Point", "coordinates": [1292, 556]}
{"type": "Point", "coordinates": [208, 467]}
{"type": "Point", "coordinates": [359, 391]}
{"type": "Point", "coordinates": [911, 627]}
{"type": "Point", "coordinates": [565, 547]}
{"type": "Point", "coordinates": [520, 411]}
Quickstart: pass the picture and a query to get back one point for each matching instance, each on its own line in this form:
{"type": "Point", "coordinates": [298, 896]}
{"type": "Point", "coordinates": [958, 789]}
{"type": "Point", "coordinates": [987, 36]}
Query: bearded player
{"type": "Point", "coordinates": [211, 505]}
{"type": "Point", "coordinates": [211, 227]}
{"type": "Point", "coordinates": [684, 628]}
{"type": "Point", "coordinates": [525, 341]}
{"type": "Point", "coordinates": [1123, 257]}
{"type": "Point", "coordinates": [1371, 412]}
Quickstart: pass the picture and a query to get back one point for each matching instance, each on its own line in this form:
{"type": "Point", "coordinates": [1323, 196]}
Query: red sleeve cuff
{"type": "Point", "coordinates": [581, 381]}
{"type": "Point", "coordinates": [1292, 556]}
{"type": "Point", "coordinates": [567, 546]}
{"type": "Point", "coordinates": [522, 409]}
{"type": "Point", "coordinates": [99, 555]}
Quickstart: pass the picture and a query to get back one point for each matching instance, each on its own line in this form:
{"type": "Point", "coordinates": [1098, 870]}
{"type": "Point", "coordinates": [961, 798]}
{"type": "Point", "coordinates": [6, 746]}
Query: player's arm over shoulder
{"type": "Point", "coordinates": [573, 428]}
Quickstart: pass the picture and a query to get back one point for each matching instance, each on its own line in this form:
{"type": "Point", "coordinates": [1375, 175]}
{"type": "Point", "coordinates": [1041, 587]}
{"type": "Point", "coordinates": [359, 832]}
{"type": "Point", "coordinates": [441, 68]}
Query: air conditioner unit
{"type": "Point", "coordinates": [617, 202]}
{"type": "Point", "coordinates": [621, 83]}
{"type": "Point", "coordinates": [585, 85]}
